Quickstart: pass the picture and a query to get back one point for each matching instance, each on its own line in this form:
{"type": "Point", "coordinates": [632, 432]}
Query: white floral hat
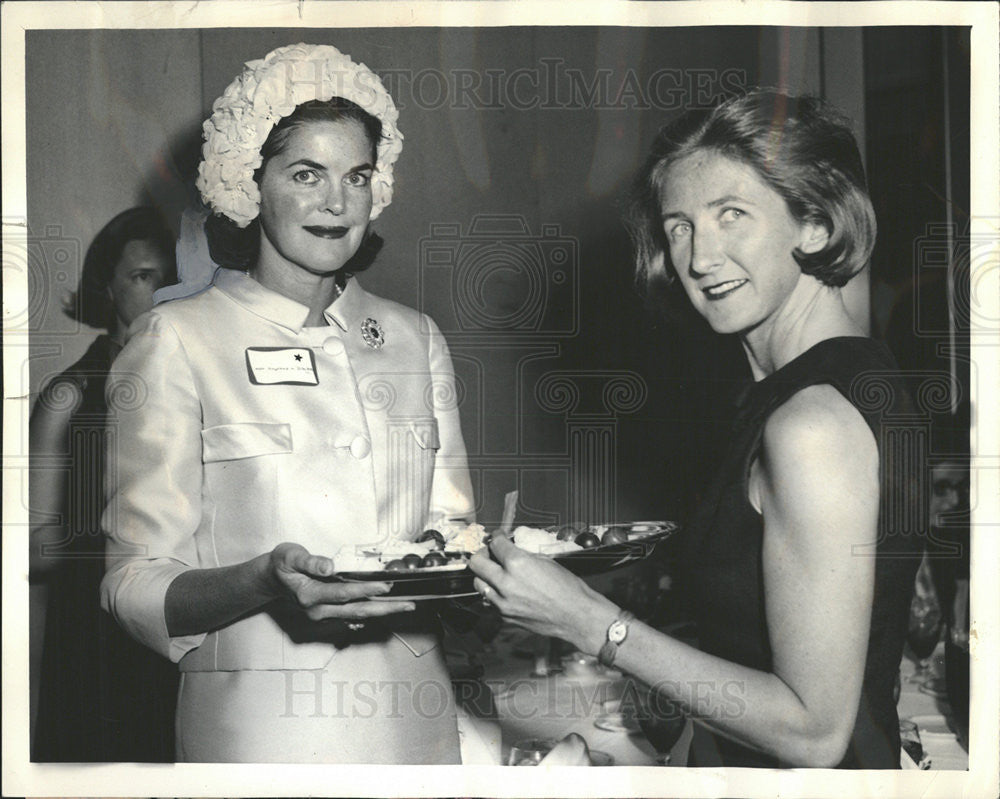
{"type": "Point", "coordinates": [269, 90]}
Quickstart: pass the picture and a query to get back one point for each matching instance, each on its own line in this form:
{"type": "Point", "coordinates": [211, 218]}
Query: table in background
{"type": "Point", "coordinates": [933, 717]}
{"type": "Point", "coordinates": [556, 705]}
{"type": "Point", "coordinates": [525, 706]}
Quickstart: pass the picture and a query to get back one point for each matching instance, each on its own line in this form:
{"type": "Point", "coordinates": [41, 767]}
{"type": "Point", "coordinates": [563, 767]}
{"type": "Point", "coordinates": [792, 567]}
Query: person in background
{"type": "Point", "coordinates": [759, 209]}
{"type": "Point", "coordinates": [100, 696]}
{"type": "Point", "coordinates": [947, 560]}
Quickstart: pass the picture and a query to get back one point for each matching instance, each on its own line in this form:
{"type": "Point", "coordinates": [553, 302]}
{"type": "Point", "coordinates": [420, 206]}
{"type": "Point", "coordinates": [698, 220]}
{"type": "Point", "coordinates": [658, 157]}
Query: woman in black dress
{"type": "Point", "coordinates": [101, 696]}
{"type": "Point", "coordinates": [759, 209]}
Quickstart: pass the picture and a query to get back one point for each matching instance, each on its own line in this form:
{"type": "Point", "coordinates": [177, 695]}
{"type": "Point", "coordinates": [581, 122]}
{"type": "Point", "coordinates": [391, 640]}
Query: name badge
{"type": "Point", "coordinates": [290, 366]}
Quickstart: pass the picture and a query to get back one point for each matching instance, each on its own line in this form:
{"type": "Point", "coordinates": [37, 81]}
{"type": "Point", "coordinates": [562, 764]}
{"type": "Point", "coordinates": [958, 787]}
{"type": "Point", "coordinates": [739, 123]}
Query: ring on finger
{"type": "Point", "coordinates": [354, 626]}
{"type": "Point", "coordinates": [485, 593]}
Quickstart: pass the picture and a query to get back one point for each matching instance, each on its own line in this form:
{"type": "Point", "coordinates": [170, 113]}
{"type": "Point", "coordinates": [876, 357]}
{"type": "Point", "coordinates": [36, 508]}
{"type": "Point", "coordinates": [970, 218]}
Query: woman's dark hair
{"type": "Point", "coordinates": [237, 248]}
{"type": "Point", "coordinates": [799, 146]}
{"type": "Point", "coordinates": [91, 303]}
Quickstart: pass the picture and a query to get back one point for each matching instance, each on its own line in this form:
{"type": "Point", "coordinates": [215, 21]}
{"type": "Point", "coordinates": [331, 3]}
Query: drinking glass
{"type": "Point", "coordinates": [662, 722]}
{"type": "Point", "coordinates": [923, 635]}
{"type": "Point", "coordinates": [909, 738]}
{"type": "Point", "coordinates": [530, 751]}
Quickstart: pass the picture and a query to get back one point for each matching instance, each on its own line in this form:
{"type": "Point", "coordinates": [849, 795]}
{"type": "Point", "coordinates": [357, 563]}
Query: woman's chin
{"type": "Point", "coordinates": [327, 268]}
{"type": "Point", "coordinates": [725, 326]}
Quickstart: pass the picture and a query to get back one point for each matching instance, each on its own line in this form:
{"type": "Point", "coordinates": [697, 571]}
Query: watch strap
{"type": "Point", "coordinates": [609, 650]}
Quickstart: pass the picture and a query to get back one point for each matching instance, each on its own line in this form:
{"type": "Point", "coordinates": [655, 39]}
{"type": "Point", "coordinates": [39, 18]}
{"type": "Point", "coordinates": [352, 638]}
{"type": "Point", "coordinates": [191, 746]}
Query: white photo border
{"type": "Point", "coordinates": [21, 777]}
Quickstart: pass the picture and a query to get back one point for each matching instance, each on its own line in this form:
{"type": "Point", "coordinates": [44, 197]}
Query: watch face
{"type": "Point", "coordinates": [617, 632]}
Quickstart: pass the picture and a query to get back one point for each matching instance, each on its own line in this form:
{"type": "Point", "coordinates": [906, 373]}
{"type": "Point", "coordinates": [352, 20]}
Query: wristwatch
{"type": "Point", "coordinates": [617, 633]}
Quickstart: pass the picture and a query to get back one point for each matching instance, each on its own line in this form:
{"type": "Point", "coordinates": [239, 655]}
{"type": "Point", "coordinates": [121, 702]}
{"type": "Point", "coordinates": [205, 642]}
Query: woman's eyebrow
{"type": "Point", "coordinates": [313, 165]}
{"type": "Point", "coordinates": [673, 215]}
{"type": "Point", "coordinates": [729, 198]}
{"type": "Point", "coordinates": [306, 162]}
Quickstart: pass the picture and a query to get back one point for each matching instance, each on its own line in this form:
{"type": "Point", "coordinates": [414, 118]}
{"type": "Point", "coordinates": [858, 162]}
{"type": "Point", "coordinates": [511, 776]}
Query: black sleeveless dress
{"type": "Point", "coordinates": [721, 549]}
{"type": "Point", "coordinates": [102, 696]}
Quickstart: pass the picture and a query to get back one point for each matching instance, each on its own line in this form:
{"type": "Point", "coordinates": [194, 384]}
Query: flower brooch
{"type": "Point", "coordinates": [371, 332]}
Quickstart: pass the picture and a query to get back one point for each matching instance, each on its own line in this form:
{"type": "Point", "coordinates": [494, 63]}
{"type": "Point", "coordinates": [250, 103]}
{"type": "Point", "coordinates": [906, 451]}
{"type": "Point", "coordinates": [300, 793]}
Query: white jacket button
{"type": "Point", "coordinates": [333, 346]}
{"type": "Point", "coordinates": [360, 447]}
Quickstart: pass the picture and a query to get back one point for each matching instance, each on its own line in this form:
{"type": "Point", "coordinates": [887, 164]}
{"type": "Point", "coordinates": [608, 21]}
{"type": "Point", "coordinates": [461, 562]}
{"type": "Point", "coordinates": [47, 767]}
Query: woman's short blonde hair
{"type": "Point", "coordinates": [799, 146]}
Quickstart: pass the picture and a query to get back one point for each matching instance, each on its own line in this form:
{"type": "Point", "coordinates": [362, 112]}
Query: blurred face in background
{"type": "Point", "coordinates": [142, 269]}
{"type": "Point", "coordinates": [949, 491]}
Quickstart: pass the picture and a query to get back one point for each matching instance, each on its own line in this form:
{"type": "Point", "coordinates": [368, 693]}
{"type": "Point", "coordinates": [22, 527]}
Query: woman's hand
{"type": "Point", "coordinates": [540, 595]}
{"type": "Point", "coordinates": [296, 574]}
{"type": "Point", "coordinates": [199, 600]}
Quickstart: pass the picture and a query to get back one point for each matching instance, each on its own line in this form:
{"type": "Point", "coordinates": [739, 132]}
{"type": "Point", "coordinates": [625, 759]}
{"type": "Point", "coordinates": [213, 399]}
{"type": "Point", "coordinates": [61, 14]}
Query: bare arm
{"type": "Point", "coordinates": [48, 456]}
{"type": "Point", "coordinates": [817, 487]}
{"type": "Point", "coordinates": [49, 465]}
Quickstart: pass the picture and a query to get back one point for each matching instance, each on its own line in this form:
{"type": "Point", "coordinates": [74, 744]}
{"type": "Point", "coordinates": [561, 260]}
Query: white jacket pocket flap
{"type": "Point", "coordinates": [227, 442]}
{"type": "Point", "coordinates": [426, 433]}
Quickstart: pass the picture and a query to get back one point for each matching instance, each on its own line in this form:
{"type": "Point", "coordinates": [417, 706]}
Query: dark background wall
{"type": "Point", "coordinates": [505, 225]}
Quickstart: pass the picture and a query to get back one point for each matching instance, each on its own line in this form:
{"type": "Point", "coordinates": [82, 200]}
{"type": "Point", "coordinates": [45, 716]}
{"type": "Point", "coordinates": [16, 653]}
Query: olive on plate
{"type": "Point", "coordinates": [396, 566]}
{"type": "Point", "coordinates": [615, 535]}
{"type": "Point", "coordinates": [567, 533]}
{"type": "Point", "coordinates": [432, 535]}
{"type": "Point", "coordinates": [411, 561]}
{"type": "Point", "coordinates": [433, 559]}
{"type": "Point", "coordinates": [587, 540]}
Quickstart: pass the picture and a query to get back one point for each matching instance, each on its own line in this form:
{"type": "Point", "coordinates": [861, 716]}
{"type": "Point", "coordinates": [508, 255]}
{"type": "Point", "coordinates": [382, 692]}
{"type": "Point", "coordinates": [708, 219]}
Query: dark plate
{"type": "Point", "coordinates": [440, 583]}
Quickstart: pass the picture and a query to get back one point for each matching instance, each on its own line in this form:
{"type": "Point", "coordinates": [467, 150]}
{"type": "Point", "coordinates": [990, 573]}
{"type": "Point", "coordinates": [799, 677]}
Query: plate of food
{"type": "Point", "coordinates": [435, 564]}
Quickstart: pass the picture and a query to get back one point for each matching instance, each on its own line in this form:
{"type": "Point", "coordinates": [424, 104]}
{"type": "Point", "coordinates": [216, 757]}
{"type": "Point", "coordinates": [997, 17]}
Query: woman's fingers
{"type": "Point", "coordinates": [486, 591]}
{"type": "Point", "coordinates": [360, 610]}
{"type": "Point", "coordinates": [503, 549]}
{"type": "Point", "coordinates": [299, 559]}
{"type": "Point", "coordinates": [326, 593]}
{"type": "Point", "coordinates": [531, 591]}
{"type": "Point", "coordinates": [295, 557]}
{"type": "Point", "coordinates": [291, 557]}
{"type": "Point", "coordinates": [320, 566]}
{"type": "Point", "coordinates": [489, 575]}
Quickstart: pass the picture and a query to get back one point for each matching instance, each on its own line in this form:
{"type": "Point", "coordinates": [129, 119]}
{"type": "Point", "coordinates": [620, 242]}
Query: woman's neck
{"type": "Point", "coordinates": [812, 313]}
{"type": "Point", "coordinates": [116, 332]}
{"type": "Point", "coordinates": [316, 292]}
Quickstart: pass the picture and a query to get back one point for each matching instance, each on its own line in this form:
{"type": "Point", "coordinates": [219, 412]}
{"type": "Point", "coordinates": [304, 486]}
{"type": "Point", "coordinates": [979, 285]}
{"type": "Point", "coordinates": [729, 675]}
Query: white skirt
{"type": "Point", "coordinates": [374, 703]}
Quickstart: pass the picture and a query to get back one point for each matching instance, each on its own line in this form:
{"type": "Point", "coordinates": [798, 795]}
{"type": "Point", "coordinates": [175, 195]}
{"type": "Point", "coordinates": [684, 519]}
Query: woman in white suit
{"type": "Point", "coordinates": [273, 418]}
